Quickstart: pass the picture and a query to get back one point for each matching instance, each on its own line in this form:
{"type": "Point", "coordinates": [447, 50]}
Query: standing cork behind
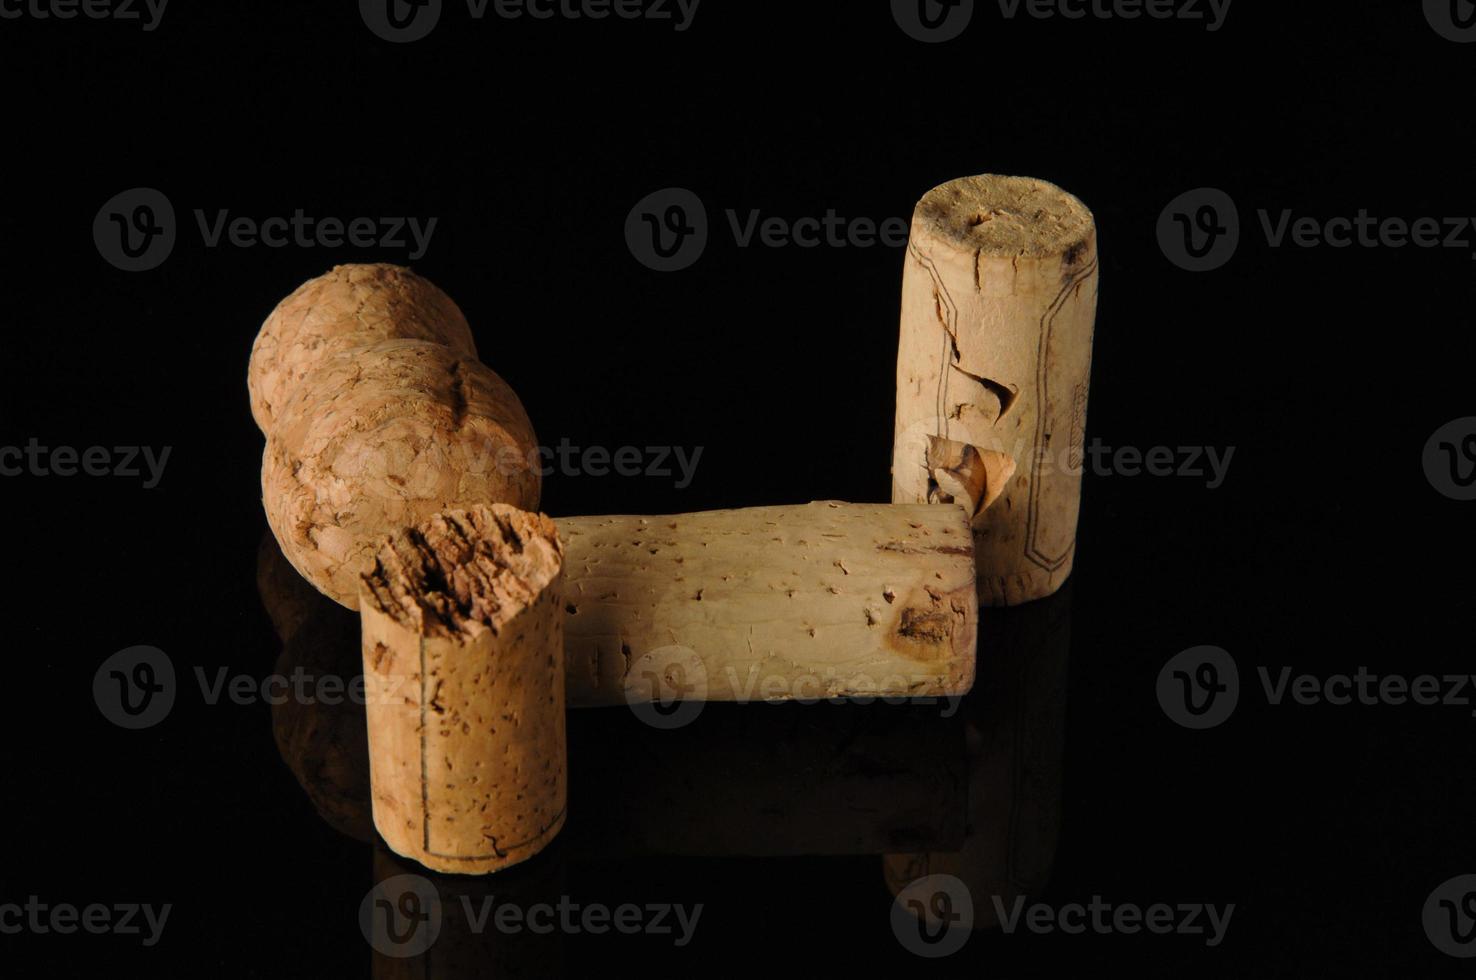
{"type": "Point", "coordinates": [999, 298]}
{"type": "Point", "coordinates": [463, 647]}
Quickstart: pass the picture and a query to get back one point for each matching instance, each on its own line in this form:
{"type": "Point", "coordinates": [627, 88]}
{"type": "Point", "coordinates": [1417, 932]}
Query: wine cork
{"type": "Point", "coordinates": [819, 600]}
{"type": "Point", "coordinates": [464, 684]}
{"type": "Point", "coordinates": [999, 297]}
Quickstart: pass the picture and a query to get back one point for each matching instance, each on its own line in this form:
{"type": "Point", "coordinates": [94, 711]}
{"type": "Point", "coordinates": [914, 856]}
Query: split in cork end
{"type": "Point", "coordinates": [1007, 217]}
{"type": "Point", "coordinates": [464, 571]}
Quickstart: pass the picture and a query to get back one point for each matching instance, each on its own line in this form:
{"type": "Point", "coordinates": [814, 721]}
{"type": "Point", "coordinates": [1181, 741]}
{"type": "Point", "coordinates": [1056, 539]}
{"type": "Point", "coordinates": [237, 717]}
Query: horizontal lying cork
{"type": "Point", "coordinates": [464, 684]}
{"type": "Point", "coordinates": [350, 306]}
{"type": "Point", "coordinates": [770, 603]}
{"type": "Point", "coordinates": [999, 299]}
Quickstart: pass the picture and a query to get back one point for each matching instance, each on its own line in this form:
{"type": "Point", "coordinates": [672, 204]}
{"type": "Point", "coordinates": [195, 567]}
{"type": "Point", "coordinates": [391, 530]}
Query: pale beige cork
{"type": "Point", "coordinates": [464, 681]}
{"type": "Point", "coordinates": [820, 600]}
{"type": "Point", "coordinates": [349, 306]}
{"type": "Point", "coordinates": [999, 299]}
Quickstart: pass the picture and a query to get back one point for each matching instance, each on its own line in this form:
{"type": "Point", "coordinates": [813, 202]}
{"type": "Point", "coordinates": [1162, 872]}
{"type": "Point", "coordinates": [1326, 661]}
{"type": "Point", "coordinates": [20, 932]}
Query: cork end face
{"type": "Point", "coordinates": [1006, 216]}
{"type": "Point", "coordinates": [464, 571]}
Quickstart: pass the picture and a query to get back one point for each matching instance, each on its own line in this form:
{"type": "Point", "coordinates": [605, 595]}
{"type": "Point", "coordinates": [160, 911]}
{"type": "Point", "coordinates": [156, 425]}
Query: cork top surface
{"type": "Point", "coordinates": [463, 571]}
{"type": "Point", "coordinates": [1006, 216]}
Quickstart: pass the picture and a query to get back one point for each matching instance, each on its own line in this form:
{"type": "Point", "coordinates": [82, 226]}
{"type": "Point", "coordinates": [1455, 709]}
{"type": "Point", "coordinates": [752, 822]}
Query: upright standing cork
{"type": "Point", "coordinates": [464, 683]}
{"type": "Point", "coordinates": [999, 299]}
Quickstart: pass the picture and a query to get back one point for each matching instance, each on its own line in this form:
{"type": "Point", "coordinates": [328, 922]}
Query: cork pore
{"type": "Point", "coordinates": [1006, 216]}
{"type": "Point", "coordinates": [465, 571]}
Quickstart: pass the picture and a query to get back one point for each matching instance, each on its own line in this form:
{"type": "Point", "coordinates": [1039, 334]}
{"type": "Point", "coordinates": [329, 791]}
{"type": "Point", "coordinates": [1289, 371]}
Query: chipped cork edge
{"type": "Point", "coordinates": [464, 571]}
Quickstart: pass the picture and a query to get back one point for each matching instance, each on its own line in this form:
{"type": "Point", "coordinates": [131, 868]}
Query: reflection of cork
{"type": "Point", "coordinates": [1017, 725]}
{"type": "Point", "coordinates": [467, 940]}
{"type": "Point", "coordinates": [463, 651]}
{"type": "Point", "coordinates": [321, 737]}
{"type": "Point", "coordinates": [287, 597]}
{"type": "Point", "coordinates": [999, 298]}
{"type": "Point", "coordinates": [768, 781]}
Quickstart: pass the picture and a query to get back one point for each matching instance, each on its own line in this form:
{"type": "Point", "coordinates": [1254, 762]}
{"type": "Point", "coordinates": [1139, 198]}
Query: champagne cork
{"type": "Point", "coordinates": [463, 650]}
{"type": "Point", "coordinates": [999, 298]}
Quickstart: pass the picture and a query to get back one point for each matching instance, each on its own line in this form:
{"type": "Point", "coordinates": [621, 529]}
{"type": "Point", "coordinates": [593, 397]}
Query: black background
{"type": "Point", "coordinates": [1325, 549]}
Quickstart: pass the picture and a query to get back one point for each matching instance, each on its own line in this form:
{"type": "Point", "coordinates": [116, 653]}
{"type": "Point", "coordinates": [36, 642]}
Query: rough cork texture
{"type": "Point", "coordinates": [770, 603]}
{"type": "Point", "coordinates": [380, 438]}
{"type": "Point", "coordinates": [351, 306]}
{"type": "Point", "coordinates": [464, 677]}
{"type": "Point", "coordinates": [999, 299]}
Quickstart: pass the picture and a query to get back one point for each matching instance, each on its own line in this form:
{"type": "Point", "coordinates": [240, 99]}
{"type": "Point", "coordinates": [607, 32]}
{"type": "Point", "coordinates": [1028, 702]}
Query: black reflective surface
{"type": "Point", "coordinates": [1069, 800]}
